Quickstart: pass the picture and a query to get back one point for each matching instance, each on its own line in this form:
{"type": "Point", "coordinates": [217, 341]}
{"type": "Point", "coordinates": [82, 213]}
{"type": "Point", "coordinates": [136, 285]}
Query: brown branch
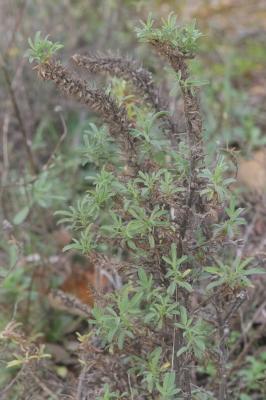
{"type": "Point", "coordinates": [97, 100]}
{"type": "Point", "coordinates": [193, 118]}
{"type": "Point", "coordinates": [247, 328]}
{"type": "Point", "coordinates": [4, 392]}
{"type": "Point", "coordinates": [58, 144]}
{"type": "Point", "coordinates": [223, 331]}
{"type": "Point", "coordinates": [43, 386]}
{"type": "Point", "coordinates": [82, 380]}
{"type": "Point", "coordinates": [4, 60]}
{"type": "Point", "coordinates": [141, 79]}
{"type": "Point", "coordinates": [223, 356]}
{"type": "Point", "coordinates": [178, 61]}
{"type": "Point", "coordinates": [67, 302]}
{"type": "Point", "coordinates": [18, 115]}
{"type": "Point", "coordinates": [258, 334]}
{"type": "Point", "coordinates": [239, 300]}
{"type": "Point", "coordinates": [18, 21]}
{"type": "Point", "coordinates": [5, 168]}
{"type": "Point", "coordinates": [122, 68]}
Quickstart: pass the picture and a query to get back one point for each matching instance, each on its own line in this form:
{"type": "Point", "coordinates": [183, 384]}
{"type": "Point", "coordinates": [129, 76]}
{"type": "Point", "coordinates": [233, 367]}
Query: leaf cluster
{"type": "Point", "coordinates": [41, 50]}
{"type": "Point", "coordinates": [184, 38]}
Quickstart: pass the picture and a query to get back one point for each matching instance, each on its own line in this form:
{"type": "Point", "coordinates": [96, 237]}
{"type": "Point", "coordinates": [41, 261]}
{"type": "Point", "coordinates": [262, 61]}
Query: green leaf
{"type": "Point", "coordinates": [15, 363]}
{"type": "Point", "coordinates": [255, 271]}
{"type": "Point", "coordinates": [183, 315]}
{"type": "Point", "coordinates": [185, 285]}
{"type": "Point", "coordinates": [212, 270]}
{"type": "Point", "coordinates": [21, 215]}
{"type": "Point", "coordinates": [151, 241]}
{"type": "Point", "coordinates": [181, 351]}
{"type": "Point", "coordinates": [214, 284]}
{"type": "Point", "coordinates": [13, 252]}
{"type": "Point", "coordinates": [131, 245]}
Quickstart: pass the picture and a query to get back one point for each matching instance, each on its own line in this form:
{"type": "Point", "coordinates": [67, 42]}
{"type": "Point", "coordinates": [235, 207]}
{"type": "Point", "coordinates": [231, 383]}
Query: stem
{"type": "Point", "coordinates": [194, 131]}
{"type": "Point", "coordinates": [96, 99]}
{"type": "Point", "coordinates": [18, 115]}
{"type": "Point", "coordinates": [135, 74]}
{"type": "Point", "coordinates": [223, 356]}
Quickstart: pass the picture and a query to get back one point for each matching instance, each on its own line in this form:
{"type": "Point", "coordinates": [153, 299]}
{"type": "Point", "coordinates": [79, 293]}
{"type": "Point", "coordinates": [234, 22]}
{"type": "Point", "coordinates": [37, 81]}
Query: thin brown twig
{"type": "Point", "coordinates": [141, 79]}
{"type": "Point", "coordinates": [239, 300]}
{"type": "Point", "coordinates": [248, 232]}
{"type": "Point", "coordinates": [81, 382]}
{"type": "Point", "coordinates": [246, 349]}
{"type": "Point", "coordinates": [43, 386]}
{"type": "Point", "coordinates": [17, 111]}
{"type": "Point", "coordinates": [18, 184]}
{"type": "Point", "coordinates": [17, 24]}
{"type": "Point", "coordinates": [48, 162]}
{"type": "Point", "coordinates": [58, 144]}
{"type": "Point", "coordinates": [222, 331]}
{"type": "Point", "coordinates": [3, 393]}
{"type": "Point", "coordinates": [18, 115]}
{"type": "Point", "coordinates": [193, 117]}
{"type": "Point", "coordinates": [247, 328]}
{"type": "Point", "coordinates": [5, 163]}
{"type": "Point", "coordinates": [96, 100]}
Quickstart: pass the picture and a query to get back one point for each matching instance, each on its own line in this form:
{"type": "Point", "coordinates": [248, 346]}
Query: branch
{"type": "Point", "coordinates": [178, 61]}
{"type": "Point", "coordinates": [32, 163]}
{"type": "Point", "coordinates": [97, 100]}
{"type": "Point", "coordinates": [130, 71]}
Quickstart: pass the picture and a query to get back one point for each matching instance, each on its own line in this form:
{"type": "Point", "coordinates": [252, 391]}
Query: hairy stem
{"type": "Point", "coordinates": [178, 61]}
{"type": "Point", "coordinates": [97, 100]}
{"type": "Point", "coordinates": [135, 74]}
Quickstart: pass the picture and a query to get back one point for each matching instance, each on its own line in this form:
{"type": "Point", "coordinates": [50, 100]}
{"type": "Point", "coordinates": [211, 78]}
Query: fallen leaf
{"type": "Point", "coordinates": [252, 172]}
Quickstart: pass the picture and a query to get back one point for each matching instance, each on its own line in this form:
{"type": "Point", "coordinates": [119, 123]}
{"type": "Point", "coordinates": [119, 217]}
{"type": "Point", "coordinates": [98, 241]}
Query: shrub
{"type": "Point", "coordinates": [151, 215]}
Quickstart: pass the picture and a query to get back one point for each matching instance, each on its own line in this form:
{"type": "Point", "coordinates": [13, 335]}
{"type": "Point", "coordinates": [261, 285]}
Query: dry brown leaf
{"type": "Point", "coordinates": [252, 172]}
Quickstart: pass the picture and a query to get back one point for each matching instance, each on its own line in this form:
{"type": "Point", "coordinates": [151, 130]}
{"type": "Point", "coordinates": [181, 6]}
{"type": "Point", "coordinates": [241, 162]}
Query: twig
{"type": "Point", "coordinates": [43, 386]}
{"type": "Point", "coordinates": [67, 302]}
{"type": "Point", "coordinates": [248, 327]}
{"type": "Point", "coordinates": [193, 117]}
{"type": "Point", "coordinates": [60, 141]}
{"type": "Point", "coordinates": [240, 298]}
{"type": "Point", "coordinates": [81, 380]}
{"type": "Point", "coordinates": [3, 393]}
{"type": "Point", "coordinates": [5, 142]}
{"type": "Point", "coordinates": [136, 75]}
{"type": "Point", "coordinates": [130, 387]}
{"type": "Point", "coordinates": [95, 99]}
{"type": "Point", "coordinates": [222, 330]}
{"type": "Point", "coordinates": [17, 111]}
{"type": "Point", "coordinates": [248, 232]}
{"type": "Point", "coordinates": [5, 163]}
{"type": "Point", "coordinates": [18, 184]}
{"type": "Point", "coordinates": [241, 356]}
{"type": "Point", "coordinates": [18, 115]}
{"type": "Point", "coordinates": [261, 246]}
{"type": "Point", "coordinates": [18, 21]}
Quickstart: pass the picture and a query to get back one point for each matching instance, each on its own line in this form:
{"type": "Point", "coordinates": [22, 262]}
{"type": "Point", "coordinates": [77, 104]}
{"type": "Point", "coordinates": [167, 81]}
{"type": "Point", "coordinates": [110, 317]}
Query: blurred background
{"type": "Point", "coordinates": [41, 131]}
